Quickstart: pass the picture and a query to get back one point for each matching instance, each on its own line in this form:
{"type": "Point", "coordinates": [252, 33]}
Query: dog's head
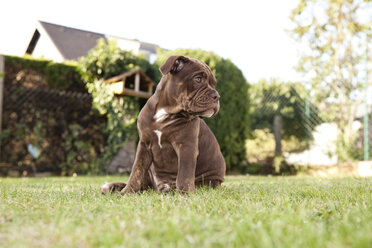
{"type": "Point", "coordinates": [192, 84]}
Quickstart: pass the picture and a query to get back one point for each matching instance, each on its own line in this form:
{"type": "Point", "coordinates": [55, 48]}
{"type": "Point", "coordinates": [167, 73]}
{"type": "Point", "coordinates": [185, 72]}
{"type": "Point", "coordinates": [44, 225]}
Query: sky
{"type": "Point", "coordinates": [252, 34]}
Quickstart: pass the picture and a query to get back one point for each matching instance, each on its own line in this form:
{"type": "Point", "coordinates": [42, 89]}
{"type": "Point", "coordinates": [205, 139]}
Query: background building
{"type": "Point", "coordinates": [60, 43]}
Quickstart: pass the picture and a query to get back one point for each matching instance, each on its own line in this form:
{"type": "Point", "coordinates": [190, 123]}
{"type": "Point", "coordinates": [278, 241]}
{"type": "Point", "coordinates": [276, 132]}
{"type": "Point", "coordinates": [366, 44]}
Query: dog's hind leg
{"type": "Point", "coordinates": [112, 187]}
{"type": "Point", "coordinates": [209, 183]}
{"type": "Point", "coordinates": [118, 186]}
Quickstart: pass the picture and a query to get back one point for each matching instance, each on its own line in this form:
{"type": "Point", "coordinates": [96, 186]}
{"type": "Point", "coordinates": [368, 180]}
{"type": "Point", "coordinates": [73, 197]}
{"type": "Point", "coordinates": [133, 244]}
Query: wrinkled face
{"type": "Point", "coordinates": [195, 87]}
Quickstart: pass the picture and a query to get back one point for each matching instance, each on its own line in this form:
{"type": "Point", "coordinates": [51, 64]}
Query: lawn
{"type": "Point", "coordinates": [245, 212]}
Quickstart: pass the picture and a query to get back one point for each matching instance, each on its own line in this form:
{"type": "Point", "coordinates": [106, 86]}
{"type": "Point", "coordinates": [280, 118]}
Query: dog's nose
{"type": "Point", "coordinates": [214, 95]}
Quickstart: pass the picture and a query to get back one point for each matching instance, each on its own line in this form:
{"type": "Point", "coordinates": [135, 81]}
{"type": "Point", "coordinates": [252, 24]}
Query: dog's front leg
{"type": "Point", "coordinates": [140, 167]}
{"type": "Point", "coordinates": [187, 155]}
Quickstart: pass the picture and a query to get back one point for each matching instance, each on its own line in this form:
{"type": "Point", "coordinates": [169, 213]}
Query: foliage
{"type": "Point", "coordinates": [347, 149]}
{"type": "Point", "coordinates": [58, 75]}
{"type": "Point", "coordinates": [80, 155]}
{"type": "Point", "coordinates": [121, 114]}
{"type": "Point", "coordinates": [38, 116]}
{"type": "Point", "coordinates": [261, 158]}
{"type": "Point", "coordinates": [231, 124]}
{"type": "Point", "coordinates": [26, 62]}
{"type": "Point", "coordinates": [107, 60]}
{"type": "Point", "coordinates": [4, 134]}
{"type": "Point", "coordinates": [287, 100]}
{"type": "Point", "coordinates": [244, 212]}
{"type": "Point", "coordinates": [335, 37]}
{"type": "Point", "coordinates": [21, 136]}
{"type": "Point", "coordinates": [67, 141]}
{"type": "Point", "coordinates": [270, 98]}
{"type": "Point", "coordinates": [102, 62]}
{"type": "Point", "coordinates": [260, 145]}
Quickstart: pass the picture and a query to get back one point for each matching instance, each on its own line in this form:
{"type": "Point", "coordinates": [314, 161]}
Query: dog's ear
{"type": "Point", "coordinates": [173, 64]}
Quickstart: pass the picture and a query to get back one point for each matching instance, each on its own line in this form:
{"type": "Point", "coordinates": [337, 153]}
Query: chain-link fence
{"type": "Point", "coordinates": [286, 123]}
{"type": "Point", "coordinates": [46, 129]}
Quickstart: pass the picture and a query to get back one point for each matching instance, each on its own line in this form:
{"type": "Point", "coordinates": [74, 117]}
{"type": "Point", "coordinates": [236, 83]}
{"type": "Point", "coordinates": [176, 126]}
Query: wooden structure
{"type": "Point", "coordinates": [132, 83]}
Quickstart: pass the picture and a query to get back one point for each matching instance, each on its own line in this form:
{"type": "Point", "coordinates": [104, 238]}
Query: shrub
{"type": "Point", "coordinates": [59, 76]}
{"type": "Point", "coordinates": [104, 61]}
{"type": "Point", "coordinates": [61, 126]}
{"type": "Point", "coordinates": [107, 60]}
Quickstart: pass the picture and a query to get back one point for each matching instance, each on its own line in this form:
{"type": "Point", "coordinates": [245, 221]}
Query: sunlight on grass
{"type": "Point", "coordinates": [246, 211]}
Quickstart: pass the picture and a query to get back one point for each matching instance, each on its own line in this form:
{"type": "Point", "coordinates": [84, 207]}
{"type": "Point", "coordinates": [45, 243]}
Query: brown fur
{"type": "Point", "coordinates": [188, 154]}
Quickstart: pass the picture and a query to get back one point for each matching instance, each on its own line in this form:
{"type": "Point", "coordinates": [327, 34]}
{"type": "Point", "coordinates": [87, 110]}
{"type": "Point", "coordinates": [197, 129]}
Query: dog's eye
{"type": "Point", "coordinates": [198, 79]}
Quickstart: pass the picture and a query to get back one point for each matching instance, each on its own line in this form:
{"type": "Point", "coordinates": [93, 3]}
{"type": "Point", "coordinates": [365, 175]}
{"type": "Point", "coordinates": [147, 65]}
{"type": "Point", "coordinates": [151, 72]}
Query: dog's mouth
{"type": "Point", "coordinates": [207, 114]}
{"type": "Point", "coordinates": [204, 105]}
{"type": "Point", "coordinates": [210, 112]}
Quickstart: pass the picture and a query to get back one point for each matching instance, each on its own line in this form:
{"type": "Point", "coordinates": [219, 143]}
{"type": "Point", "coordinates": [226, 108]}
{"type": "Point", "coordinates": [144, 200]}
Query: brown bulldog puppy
{"type": "Point", "coordinates": [177, 150]}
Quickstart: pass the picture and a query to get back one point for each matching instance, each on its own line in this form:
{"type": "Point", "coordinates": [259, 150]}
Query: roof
{"type": "Point", "coordinates": [123, 76]}
{"type": "Point", "coordinates": [72, 43]}
{"type": "Point", "coordinates": [148, 47]}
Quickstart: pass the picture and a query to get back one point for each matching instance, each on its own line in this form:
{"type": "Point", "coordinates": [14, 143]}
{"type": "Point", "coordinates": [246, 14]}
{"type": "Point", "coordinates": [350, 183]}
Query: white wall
{"type": "Point", "coordinates": [45, 48]}
{"type": "Point", "coordinates": [125, 44]}
{"type": "Point", "coordinates": [322, 148]}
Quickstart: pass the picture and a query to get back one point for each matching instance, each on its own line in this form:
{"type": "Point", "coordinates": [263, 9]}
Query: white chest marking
{"type": "Point", "coordinates": [158, 133]}
{"type": "Point", "coordinates": [160, 115]}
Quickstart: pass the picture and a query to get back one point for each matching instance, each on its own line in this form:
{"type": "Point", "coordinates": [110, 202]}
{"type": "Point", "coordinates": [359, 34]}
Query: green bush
{"type": "Point", "coordinates": [80, 153]}
{"type": "Point", "coordinates": [230, 125]}
{"type": "Point", "coordinates": [69, 139]}
{"type": "Point", "coordinates": [104, 61]}
{"type": "Point", "coordinates": [260, 145]}
{"type": "Point", "coordinates": [61, 76]}
{"type": "Point", "coordinates": [351, 148]}
{"type": "Point", "coordinates": [26, 62]}
{"type": "Point", "coordinates": [287, 99]}
{"type": "Point", "coordinates": [58, 75]}
{"type": "Point", "coordinates": [107, 60]}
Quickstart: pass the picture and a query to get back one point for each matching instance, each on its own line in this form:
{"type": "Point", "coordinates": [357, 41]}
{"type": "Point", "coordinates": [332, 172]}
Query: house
{"type": "Point", "coordinates": [60, 43]}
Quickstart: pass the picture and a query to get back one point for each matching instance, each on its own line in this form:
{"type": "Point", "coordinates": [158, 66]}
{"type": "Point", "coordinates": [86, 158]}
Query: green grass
{"type": "Point", "coordinates": [245, 212]}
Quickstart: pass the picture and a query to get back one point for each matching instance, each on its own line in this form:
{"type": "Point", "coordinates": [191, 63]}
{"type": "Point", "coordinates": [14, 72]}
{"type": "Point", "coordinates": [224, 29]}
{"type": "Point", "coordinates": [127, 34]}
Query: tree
{"type": "Point", "coordinates": [335, 36]}
{"type": "Point", "coordinates": [281, 108]}
{"type": "Point", "coordinates": [231, 124]}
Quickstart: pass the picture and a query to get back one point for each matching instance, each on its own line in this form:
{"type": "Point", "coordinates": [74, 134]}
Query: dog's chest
{"type": "Point", "coordinates": [160, 141]}
{"type": "Point", "coordinates": [162, 151]}
{"type": "Point", "coordinates": [158, 134]}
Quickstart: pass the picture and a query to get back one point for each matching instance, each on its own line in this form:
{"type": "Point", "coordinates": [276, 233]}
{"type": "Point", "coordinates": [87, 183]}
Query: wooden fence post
{"type": "Point", "coordinates": [278, 134]}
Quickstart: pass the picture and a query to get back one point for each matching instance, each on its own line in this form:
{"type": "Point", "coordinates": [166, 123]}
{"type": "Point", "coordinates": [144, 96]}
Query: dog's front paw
{"type": "Point", "coordinates": [112, 187]}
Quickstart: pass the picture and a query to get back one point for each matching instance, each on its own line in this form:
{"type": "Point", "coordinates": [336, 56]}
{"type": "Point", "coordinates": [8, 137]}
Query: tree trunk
{"type": "Point", "coordinates": [278, 134]}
